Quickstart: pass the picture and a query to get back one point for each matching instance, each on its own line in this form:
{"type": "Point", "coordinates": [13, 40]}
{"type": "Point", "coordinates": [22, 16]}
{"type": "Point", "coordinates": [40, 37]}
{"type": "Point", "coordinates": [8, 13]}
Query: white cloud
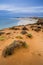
{"type": "Point", "coordinates": [16, 9]}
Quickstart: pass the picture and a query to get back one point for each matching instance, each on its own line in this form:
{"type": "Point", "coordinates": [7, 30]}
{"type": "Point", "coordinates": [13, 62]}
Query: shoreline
{"type": "Point", "coordinates": [22, 21]}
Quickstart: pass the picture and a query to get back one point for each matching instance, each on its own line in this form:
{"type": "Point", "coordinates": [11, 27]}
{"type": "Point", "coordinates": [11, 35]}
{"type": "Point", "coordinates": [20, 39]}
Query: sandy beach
{"type": "Point", "coordinates": [33, 55]}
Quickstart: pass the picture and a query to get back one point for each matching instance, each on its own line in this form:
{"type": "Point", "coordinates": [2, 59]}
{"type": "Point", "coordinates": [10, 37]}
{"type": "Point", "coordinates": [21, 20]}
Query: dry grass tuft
{"type": "Point", "coordinates": [29, 35]}
{"type": "Point", "coordinates": [2, 38]}
{"type": "Point", "coordinates": [20, 37]}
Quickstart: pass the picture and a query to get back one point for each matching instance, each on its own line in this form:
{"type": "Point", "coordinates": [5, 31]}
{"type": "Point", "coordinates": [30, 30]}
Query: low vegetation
{"type": "Point", "coordinates": [29, 35]}
{"type": "Point", "coordinates": [42, 30]}
{"type": "Point", "coordinates": [14, 28]}
{"type": "Point", "coordinates": [23, 32]}
{"type": "Point", "coordinates": [25, 45]}
{"type": "Point", "coordinates": [37, 29]}
{"type": "Point", "coordinates": [9, 50]}
{"type": "Point", "coordinates": [39, 54]}
{"type": "Point", "coordinates": [19, 37]}
{"type": "Point", "coordinates": [31, 26]}
{"type": "Point", "coordinates": [1, 33]}
{"type": "Point", "coordinates": [40, 21]}
{"type": "Point", "coordinates": [24, 28]}
{"type": "Point", "coordinates": [2, 38]}
{"type": "Point", "coordinates": [8, 33]}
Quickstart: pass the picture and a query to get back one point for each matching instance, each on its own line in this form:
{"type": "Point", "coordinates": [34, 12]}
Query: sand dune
{"type": "Point", "coordinates": [33, 55]}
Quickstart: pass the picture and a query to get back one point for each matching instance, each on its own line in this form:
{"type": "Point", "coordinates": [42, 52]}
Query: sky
{"type": "Point", "coordinates": [21, 8]}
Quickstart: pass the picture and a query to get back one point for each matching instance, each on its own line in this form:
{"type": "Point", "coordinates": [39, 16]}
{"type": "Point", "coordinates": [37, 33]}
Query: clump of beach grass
{"type": "Point", "coordinates": [19, 37]}
{"type": "Point", "coordinates": [23, 32]}
{"type": "Point", "coordinates": [25, 45]}
{"type": "Point", "coordinates": [37, 29]}
{"type": "Point", "coordinates": [8, 33]}
{"type": "Point", "coordinates": [2, 38]}
{"type": "Point", "coordinates": [17, 44]}
{"type": "Point", "coordinates": [29, 35]}
{"type": "Point", "coordinates": [14, 28]}
{"type": "Point", "coordinates": [1, 33]}
{"type": "Point", "coordinates": [24, 28]}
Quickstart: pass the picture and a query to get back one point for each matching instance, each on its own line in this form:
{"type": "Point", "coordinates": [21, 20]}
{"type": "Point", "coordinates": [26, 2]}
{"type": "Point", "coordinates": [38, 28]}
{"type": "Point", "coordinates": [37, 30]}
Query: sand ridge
{"type": "Point", "coordinates": [33, 55]}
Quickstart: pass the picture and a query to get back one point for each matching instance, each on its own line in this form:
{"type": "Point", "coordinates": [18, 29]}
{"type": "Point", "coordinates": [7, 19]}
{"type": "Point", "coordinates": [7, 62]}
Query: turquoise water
{"type": "Point", "coordinates": [9, 22]}
{"type": "Point", "coordinates": [5, 23]}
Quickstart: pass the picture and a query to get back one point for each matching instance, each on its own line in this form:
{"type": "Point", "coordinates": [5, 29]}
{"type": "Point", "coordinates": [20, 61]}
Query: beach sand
{"type": "Point", "coordinates": [33, 55]}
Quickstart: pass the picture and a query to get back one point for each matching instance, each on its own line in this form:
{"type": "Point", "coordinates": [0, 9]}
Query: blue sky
{"type": "Point", "coordinates": [16, 8]}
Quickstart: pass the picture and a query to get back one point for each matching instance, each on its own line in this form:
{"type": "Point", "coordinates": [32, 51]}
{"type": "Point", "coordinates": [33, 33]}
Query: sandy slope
{"type": "Point", "coordinates": [33, 55]}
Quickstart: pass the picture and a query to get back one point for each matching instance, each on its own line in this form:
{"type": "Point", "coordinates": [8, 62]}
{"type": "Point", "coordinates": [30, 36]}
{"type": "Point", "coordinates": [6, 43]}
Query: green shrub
{"type": "Point", "coordinates": [2, 33]}
{"type": "Point", "coordinates": [8, 33]}
{"type": "Point", "coordinates": [14, 28]}
{"type": "Point", "coordinates": [23, 32]}
{"type": "Point", "coordinates": [25, 45]}
{"type": "Point", "coordinates": [19, 37]}
{"type": "Point", "coordinates": [9, 50]}
{"type": "Point", "coordinates": [24, 28]}
{"type": "Point", "coordinates": [37, 29]}
{"type": "Point", "coordinates": [29, 35]}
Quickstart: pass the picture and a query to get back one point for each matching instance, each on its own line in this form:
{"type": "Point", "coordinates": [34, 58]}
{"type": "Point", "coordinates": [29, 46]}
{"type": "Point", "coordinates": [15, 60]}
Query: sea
{"type": "Point", "coordinates": [9, 22]}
